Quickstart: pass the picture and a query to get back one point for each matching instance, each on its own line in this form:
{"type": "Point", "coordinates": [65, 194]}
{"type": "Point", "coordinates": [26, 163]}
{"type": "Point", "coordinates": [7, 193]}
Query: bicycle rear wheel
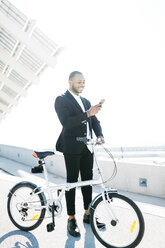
{"type": "Point", "coordinates": [127, 231]}
{"type": "Point", "coordinates": [25, 208]}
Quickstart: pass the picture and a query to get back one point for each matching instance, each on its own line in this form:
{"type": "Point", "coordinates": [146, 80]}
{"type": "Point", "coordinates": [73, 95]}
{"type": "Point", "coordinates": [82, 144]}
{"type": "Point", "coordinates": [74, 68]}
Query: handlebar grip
{"type": "Point", "coordinates": [82, 139]}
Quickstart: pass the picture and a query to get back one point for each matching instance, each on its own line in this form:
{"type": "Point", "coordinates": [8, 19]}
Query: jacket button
{"type": "Point", "coordinates": [85, 133]}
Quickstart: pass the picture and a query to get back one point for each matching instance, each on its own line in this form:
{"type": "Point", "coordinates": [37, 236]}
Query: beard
{"type": "Point", "coordinates": [77, 90]}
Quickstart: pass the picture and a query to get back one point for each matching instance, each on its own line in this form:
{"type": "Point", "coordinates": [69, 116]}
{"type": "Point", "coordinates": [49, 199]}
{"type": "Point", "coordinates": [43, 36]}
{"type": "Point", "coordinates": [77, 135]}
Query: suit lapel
{"type": "Point", "coordinates": [73, 100]}
{"type": "Point", "coordinates": [86, 108]}
{"type": "Point", "coordinates": [75, 103]}
{"type": "Point", "coordinates": [84, 103]}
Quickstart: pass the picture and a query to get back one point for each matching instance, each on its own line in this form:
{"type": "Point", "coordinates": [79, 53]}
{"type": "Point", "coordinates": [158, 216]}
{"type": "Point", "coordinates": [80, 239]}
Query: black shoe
{"type": "Point", "coordinates": [37, 169]}
{"type": "Point", "coordinates": [99, 224]}
{"type": "Point", "coordinates": [86, 219]}
{"type": "Point", "coordinates": [73, 228]}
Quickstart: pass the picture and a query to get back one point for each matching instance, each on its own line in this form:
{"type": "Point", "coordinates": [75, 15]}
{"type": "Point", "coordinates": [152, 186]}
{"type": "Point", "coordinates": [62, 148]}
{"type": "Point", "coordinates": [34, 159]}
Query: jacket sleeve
{"type": "Point", "coordinates": [68, 121]}
{"type": "Point", "coordinates": [96, 126]}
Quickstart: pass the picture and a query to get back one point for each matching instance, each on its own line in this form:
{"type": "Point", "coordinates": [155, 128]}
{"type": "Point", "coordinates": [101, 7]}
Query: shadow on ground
{"type": "Point", "coordinates": [19, 239]}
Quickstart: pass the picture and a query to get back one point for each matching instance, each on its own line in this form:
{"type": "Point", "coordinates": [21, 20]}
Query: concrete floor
{"type": "Point", "coordinates": [10, 237]}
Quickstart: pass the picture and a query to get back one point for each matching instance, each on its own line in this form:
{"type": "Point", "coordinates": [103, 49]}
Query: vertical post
{"type": "Point", "coordinates": [46, 179]}
{"type": "Point", "coordinates": [97, 164]}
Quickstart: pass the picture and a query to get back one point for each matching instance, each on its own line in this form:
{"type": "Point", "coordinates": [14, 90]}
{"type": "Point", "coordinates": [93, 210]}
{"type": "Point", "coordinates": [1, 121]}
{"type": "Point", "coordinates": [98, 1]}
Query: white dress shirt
{"type": "Point", "coordinates": [78, 99]}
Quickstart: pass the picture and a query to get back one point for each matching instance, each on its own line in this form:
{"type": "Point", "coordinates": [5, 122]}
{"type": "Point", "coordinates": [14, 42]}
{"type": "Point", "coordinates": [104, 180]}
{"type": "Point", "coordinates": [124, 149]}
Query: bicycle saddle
{"type": "Point", "coordinates": [42, 155]}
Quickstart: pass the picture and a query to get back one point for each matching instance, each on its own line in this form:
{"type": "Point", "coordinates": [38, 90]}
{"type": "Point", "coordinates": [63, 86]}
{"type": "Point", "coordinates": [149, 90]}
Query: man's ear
{"type": "Point", "coordinates": [70, 82]}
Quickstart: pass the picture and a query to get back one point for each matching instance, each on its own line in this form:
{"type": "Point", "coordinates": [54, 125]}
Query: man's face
{"type": "Point", "coordinates": [77, 84]}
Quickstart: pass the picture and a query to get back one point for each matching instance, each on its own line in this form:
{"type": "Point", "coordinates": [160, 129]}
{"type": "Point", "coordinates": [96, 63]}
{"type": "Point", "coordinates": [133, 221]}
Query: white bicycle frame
{"type": "Point", "coordinates": [67, 186]}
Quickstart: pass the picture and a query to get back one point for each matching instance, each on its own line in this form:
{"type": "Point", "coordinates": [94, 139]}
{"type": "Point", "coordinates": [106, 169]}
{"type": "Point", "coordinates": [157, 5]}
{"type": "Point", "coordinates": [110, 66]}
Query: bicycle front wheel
{"type": "Point", "coordinates": [125, 229]}
{"type": "Point", "coordinates": [25, 208]}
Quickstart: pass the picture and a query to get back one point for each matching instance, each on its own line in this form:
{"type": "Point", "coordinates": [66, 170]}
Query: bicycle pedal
{"type": "Point", "coordinates": [50, 227]}
{"type": "Point", "coordinates": [37, 169]}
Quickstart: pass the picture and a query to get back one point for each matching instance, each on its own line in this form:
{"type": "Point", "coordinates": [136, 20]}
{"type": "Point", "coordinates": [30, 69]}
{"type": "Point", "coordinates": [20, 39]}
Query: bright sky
{"type": "Point", "coordinates": [120, 48]}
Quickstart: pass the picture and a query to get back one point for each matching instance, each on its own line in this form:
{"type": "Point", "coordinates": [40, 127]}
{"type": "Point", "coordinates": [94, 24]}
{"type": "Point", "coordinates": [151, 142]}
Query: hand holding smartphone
{"type": "Point", "coordinates": [102, 101]}
{"type": "Point", "coordinates": [95, 109]}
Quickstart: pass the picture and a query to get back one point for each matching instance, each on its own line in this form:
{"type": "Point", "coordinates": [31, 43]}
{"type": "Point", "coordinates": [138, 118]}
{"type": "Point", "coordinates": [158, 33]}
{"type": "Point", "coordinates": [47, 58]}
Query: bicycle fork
{"type": "Point", "coordinates": [107, 201]}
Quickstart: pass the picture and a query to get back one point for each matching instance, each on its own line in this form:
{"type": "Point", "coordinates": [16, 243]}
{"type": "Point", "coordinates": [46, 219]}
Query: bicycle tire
{"type": "Point", "coordinates": [127, 232]}
{"type": "Point", "coordinates": [24, 218]}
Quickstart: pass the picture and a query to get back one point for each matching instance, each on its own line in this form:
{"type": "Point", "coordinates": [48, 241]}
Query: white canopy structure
{"type": "Point", "coordinates": [25, 52]}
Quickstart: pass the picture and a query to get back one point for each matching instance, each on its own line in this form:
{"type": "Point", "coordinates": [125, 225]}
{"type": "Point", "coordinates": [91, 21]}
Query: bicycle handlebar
{"type": "Point", "coordinates": [87, 141]}
{"type": "Point", "coordinates": [83, 139]}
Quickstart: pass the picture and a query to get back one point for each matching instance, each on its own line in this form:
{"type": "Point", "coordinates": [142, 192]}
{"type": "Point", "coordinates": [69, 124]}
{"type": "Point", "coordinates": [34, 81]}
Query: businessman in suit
{"type": "Point", "coordinates": [78, 119]}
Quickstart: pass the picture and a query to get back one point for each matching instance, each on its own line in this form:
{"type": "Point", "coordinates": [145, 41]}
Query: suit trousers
{"type": "Point", "coordinates": [76, 163]}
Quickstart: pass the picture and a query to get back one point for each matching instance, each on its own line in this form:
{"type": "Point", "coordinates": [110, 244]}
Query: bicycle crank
{"type": "Point", "coordinates": [50, 226]}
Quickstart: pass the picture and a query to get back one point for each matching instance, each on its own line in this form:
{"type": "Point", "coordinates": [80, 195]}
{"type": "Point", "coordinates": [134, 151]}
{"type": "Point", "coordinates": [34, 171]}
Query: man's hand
{"type": "Point", "coordinates": [94, 110]}
{"type": "Point", "coordinates": [100, 140]}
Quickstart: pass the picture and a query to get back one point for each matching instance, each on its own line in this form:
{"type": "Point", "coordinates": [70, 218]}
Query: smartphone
{"type": "Point", "coordinates": [102, 101]}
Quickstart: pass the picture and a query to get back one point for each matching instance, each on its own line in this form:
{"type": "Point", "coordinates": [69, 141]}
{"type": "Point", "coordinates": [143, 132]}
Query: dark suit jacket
{"type": "Point", "coordinates": [74, 122]}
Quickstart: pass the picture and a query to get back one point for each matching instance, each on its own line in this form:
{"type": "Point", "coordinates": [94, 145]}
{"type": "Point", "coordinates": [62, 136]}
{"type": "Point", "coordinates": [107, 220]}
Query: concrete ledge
{"type": "Point", "coordinates": [143, 177]}
{"type": "Point", "coordinates": [19, 154]}
{"type": "Point", "coordinates": [55, 164]}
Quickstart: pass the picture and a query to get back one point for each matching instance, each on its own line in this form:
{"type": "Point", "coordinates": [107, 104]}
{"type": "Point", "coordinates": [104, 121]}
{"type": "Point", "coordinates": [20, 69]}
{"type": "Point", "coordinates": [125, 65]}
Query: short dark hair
{"type": "Point", "coordinates": [73, 73]}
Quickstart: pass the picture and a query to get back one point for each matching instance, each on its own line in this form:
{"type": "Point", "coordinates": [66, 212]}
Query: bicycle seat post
{"type": "Point", "coordinates": [45, 172]}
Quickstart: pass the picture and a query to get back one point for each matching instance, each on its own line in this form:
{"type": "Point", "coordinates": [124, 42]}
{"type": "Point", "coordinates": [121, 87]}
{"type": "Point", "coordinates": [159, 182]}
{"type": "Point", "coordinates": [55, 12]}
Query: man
{"type": "Point", "coordinates": [78, 120]}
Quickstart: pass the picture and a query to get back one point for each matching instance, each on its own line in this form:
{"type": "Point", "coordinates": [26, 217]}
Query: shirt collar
{"type": "Point", "coordinates": [74, 95]}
